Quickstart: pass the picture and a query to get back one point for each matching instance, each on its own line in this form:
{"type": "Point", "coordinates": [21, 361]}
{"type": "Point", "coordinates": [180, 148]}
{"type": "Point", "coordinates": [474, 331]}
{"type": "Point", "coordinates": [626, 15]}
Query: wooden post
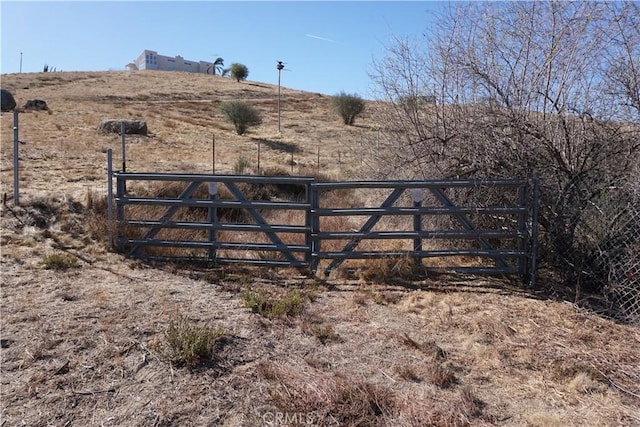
{"type": "Point", "coordinates": [213, 153]}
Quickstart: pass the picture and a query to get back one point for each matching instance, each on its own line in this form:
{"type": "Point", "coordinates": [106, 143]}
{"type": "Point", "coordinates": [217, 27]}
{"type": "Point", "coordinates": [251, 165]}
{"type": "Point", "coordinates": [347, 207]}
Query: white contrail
{"type": "Point", "coordinates": [321, 38]}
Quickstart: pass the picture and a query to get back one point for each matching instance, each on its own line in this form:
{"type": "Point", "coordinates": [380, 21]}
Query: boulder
{"type": "Point", "coordinates": [8, 101]}
{"type": "Point", "coordinates": [36, 104]}
{"type": "Point", "coordinates": [131, 127]}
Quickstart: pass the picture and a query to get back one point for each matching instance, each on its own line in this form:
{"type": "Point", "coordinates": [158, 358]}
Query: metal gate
{"type": "Point", "coordinates": [188, 218]}
{"type": "Point", "coordinates": [494, 223]}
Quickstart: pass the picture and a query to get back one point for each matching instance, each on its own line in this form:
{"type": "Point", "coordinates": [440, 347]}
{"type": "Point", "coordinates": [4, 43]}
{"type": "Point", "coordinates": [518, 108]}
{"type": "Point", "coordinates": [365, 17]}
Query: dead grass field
{"type": "Point", "coordinates": [85, 332]}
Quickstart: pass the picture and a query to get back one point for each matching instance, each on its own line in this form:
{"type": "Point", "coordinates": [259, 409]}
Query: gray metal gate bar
{"type": "Point", "coordinates": [371, 222]}
{"type": "Point", "coordinates": [186, 193]}
{"type": "Point", "coordinates": [284, 249]}
{"type": "Point", "coordinates": [464, 221]}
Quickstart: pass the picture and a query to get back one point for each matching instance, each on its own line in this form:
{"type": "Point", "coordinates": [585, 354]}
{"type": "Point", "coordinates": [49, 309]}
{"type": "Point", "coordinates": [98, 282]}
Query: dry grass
{"type": "Point", "coordinates": [79, 345]}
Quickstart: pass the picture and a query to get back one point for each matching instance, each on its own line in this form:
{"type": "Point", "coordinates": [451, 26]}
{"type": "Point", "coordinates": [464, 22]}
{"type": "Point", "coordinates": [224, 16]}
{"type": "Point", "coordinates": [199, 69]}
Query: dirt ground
{"type": "Point", "coordinates": [84, 341]}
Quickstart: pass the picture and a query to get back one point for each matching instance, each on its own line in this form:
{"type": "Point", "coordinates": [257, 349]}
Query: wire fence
{"type": "Point", "coordinates": [622, 258]}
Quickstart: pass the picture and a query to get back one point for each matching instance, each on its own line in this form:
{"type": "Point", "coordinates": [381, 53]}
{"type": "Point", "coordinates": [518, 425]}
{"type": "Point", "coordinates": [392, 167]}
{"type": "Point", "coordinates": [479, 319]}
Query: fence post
{"type": "Point", "coordinates": [523, 243]}
{"type": "Point", "coordinates": [110, 196]}
{"type": "Point", "coordinates": [313, 221]}
{"type": "Point", "coordinates": [16, 167]}
{"type": "Point", "coordinates": [292, 161]}
{"type": "Point", "coordinates": [213, 218]}
{"type": "Point", "coordinates": [417, 195]}
{"type": "Point", "coordinates": [124, 153]}
{"type": "Point", "coordinates": [120, 194]}
{"type": "Point", "coordinates": [534, 232]}
{"type": "Point", "coordinates": [258, 157]}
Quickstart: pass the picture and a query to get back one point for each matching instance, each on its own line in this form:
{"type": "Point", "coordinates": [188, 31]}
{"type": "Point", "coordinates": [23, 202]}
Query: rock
{"type": "Point", "coordinates": [8, 101]}
{"type": "Point", "coordinates": [36, 104]}
{"type": "Point", "coordinates": [131, 127]}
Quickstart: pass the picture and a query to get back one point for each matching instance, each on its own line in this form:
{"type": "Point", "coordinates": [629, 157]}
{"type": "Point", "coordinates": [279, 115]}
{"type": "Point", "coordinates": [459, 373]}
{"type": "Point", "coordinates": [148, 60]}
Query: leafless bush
{"type": "Point", "coordinates": [517, 94]}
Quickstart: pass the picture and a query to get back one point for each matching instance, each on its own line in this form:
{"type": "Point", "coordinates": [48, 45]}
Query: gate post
{"type": "Point", "coordinates": [314, 228]}
{"type": "Point", "coordinates": [16, 167]}
{"type": "Point", "coordinates": [523, 240]}
{"type": "Point", "coordinates": [120, 194]}
{"type": "Point", "coordinates": [213, 218]}
{"type": "Point", "coordinates": [417, 195]}
{"type": "Point", "coordinates": [110, 225]}
{"type": "Point", "coordinates": [534, 232]}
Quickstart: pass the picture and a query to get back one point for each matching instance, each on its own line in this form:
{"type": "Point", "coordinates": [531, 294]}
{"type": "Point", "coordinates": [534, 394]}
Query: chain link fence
{"type": "Point", "coordinates": [623, 261]}
{"type": "Point", "coordinates": [605, 255]}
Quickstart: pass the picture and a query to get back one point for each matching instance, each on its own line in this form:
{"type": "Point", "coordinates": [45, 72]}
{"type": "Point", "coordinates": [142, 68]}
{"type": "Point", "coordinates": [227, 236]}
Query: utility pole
{"type": "Point", "coordinates": [280, 66]}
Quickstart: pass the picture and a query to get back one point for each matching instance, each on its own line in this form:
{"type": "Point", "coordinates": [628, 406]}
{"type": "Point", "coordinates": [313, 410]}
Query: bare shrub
{"type": "Point", "coordinates": [348, 106]}
{"type": "Point", "coordinates": [390, 269]}
{"type": "Point", "coordinates": [332, 398]}
{"type": "Point", "coordinates": [515, 97]}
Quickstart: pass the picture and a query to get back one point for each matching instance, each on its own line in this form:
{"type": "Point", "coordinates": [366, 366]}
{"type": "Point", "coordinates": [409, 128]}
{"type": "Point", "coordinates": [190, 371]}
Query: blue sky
{"type": "Point", "coordinates": [328, 46]}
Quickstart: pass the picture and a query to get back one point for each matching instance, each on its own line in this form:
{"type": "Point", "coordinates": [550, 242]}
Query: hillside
{"type": "Point", "coordinates": [90, 338]}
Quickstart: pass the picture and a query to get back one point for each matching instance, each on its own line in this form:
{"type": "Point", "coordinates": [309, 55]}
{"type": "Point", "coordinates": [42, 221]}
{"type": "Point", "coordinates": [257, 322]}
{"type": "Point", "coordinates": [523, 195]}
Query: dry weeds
{"type": "Point", "coordinates": [77, 344]}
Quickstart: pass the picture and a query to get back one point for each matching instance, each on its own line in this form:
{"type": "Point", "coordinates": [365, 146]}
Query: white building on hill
{"type": "Point", "coordinates": [150, 60]}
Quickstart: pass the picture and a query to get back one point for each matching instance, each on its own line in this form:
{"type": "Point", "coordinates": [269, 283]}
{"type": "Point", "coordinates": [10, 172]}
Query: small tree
{"type": "Point", "coordinates": [241, 114]}
{"type": "Point", "coordinates": [348, 107]}
{"type": "Point", "coordinates": [239, 71]}
{"type": "Point", "coordinates": [218, 65]}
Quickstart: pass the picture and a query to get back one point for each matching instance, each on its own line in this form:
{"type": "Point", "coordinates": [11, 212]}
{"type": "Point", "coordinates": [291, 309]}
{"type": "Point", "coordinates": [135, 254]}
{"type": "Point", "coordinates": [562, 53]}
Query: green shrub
{"type": "Point", "coordinates": [271, 306]}
{"type": "Point", "coordinates": [60, 261]}
{"type": "Point", "coordinates": [188, 344]}
{"type": "Point", "coordinates": [239, 71]}
{"type": "Point", "coordinates": [348, 107]}
{"type": "Point", "coordinates": [241, 165]}
{"type": "Point", "coordinates": [241, 114]}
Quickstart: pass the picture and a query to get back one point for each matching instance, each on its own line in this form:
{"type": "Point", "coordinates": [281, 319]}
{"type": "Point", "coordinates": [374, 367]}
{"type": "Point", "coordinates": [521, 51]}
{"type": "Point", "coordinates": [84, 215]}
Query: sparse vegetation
{"type": "Point", "coordinates": [189, 344]}
{"type": "Point", "coordinates": [324, 332]}
{"type": "Point", "coordinates": [273, 305]}
{"type": "Point", "coordinates": [348, 106]}
{"type": "Point", "coordinates": [332, 398]}
{"type": "Point", "coordinates": [89, 346]}
{"type": "Point", "coordinates": [241, 114]}
{"type": "Point", "coordinates": [60, 261]}
{"type": "Point", "coordinates": [241, 165]}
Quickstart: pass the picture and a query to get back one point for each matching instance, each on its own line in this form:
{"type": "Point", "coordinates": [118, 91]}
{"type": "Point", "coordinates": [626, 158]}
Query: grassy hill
{"type": "Point", "coordinates": [89, 337]}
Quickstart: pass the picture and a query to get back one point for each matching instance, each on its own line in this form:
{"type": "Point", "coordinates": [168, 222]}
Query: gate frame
{"type": "Point", "coordinates": [526, 211]}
